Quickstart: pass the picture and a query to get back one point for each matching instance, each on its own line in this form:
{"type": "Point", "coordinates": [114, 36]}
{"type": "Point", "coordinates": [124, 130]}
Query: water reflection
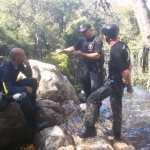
{"type": "Point", "coordinates": [136, 117]}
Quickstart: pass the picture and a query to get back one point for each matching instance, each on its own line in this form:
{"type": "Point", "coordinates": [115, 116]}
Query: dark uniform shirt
{"type": "Point", "coordinates": [92, 45]}
{"type": "Point", "coordinates": [8, 75]}
{"type": "Point", "coordinates": [119, 58]}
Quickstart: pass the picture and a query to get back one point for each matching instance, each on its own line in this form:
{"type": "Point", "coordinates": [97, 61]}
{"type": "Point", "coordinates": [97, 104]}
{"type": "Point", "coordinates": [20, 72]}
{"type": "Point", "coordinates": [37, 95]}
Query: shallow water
{"type": "Point", "coordinates": [136, 117]}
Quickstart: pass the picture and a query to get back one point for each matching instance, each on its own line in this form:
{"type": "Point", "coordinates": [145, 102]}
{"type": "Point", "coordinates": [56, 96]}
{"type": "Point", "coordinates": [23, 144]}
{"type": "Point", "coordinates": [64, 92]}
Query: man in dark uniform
{"type": "Point", "coordinates": [25, 88]}
{"type": "Point", "coordinates": [119, 77]}
{"type": "Point", "coordinates": [89, 47]}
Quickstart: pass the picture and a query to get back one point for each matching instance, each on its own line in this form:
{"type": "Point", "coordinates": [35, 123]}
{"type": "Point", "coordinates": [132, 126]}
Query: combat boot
{"type": "Point", "coordinates": [87, 132]}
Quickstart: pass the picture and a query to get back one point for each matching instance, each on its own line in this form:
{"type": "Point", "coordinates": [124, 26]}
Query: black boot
{"type": "Point", "coordinates": [87, 132]}
{"type": "Point", "coordinates": [117, 136]}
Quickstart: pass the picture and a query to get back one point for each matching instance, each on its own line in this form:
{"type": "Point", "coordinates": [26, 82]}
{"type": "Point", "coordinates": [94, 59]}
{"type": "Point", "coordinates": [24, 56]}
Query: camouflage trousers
{"type": "Point", "coordinates": [115, 92]}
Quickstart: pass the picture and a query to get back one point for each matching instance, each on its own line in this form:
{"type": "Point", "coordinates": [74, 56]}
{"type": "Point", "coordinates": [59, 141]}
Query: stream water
{"type": "Point", "coordinates": [136, 117]}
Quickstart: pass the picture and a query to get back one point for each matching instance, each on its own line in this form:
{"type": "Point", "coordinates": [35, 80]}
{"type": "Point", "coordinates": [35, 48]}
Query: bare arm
{"type": "Point", "coordinates": [90, 56]}
{"type": "Point", "coordinates": [69, 49]}
{"type": "Point", "coordinates": [126, 78]}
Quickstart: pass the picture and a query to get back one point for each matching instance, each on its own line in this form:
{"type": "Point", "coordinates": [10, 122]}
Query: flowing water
{"type": "Point", "coordinates": [136, 117]}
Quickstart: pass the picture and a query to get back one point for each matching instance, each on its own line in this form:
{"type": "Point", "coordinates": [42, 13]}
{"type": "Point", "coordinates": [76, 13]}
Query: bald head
{"type": "Point", "coordinates": [17, 56]}
{"type": "Point", "coordinates": [15, 53]}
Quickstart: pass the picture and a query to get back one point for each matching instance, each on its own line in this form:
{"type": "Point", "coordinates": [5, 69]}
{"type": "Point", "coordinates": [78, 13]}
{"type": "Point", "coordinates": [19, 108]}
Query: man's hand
{"type": "Point", "coordinates": [58, 51]}
{"type": "Point", "coordinates": [29, 90]}
{"type": "Point", "coordinates": [26, 62]}
{"type": "Point", "coordinates": [130, 89]}
{"type": "Point", "coordinates": [78, 53]}
{"type": "Point", "coordinates": [125, 81]}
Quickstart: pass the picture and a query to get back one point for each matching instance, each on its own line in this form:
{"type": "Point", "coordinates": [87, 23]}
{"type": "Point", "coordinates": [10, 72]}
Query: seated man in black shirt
{"type": "Point", "coordinates": [89, 47]}
{"type": "Point", "coordinates": [119, 77]}
{"type": "Point", "coordinates": [10, 71]}
{"type": "Point", "coordinates": [8, 75]}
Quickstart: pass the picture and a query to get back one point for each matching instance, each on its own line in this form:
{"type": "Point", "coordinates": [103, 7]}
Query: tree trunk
{"type": "Point", "coordinates": [143, 17]}
{"type": "Point", "coordinates": [38, 47]}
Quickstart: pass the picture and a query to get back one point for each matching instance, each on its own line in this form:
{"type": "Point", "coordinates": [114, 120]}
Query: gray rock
{"type": "Point", "coordinates": [52, 84]}
{"type": "Point", "coordinates": [50, 111]}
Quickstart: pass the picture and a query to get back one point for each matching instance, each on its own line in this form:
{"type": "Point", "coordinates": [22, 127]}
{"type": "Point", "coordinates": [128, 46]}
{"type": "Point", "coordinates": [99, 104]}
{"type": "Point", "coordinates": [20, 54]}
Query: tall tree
{"type": "Point", "coordinates": [142, 14]}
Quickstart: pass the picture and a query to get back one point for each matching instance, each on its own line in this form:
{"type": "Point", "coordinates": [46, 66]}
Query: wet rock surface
{"type": "Point", "coordinates": [64, 137]}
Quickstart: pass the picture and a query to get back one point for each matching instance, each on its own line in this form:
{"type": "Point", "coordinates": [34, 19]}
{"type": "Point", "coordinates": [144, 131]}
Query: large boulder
{"type": "Point", "coordinates": [52, 84]}
{"type": "Point", "coordinates": [50, 111]}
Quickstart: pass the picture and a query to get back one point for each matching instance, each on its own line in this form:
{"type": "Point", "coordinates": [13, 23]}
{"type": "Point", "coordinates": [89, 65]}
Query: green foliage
{"type": "Point", "coordinates": [61, 62]}
{"type": "Point", "coordinates": [72, 32]}
{"type": "Point", "coordinates": [41, 27]}
{"type": "Point", "coordinates": [78, 88]}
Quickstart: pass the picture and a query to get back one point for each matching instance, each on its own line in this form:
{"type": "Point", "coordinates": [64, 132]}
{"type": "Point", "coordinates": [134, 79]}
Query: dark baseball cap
{"type": "Point", "coordinates": [84, 26]}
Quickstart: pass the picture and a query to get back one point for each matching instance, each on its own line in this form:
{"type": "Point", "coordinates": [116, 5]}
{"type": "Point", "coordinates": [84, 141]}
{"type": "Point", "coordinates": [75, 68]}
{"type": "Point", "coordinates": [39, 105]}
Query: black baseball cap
{"type": "Point", "coordinates": [84, 26]}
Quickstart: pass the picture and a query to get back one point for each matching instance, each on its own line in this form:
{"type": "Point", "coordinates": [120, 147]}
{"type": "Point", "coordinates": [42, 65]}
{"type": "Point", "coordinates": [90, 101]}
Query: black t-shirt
{"type": "Point", "coordinates": [8, 75]}
{"type": "Point", "coordinates": [92, 45]}
{"type": "Point", "coordinates": [119, 58]}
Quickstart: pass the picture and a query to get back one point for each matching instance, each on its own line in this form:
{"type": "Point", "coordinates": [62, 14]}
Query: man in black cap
{"type": "Point", "coordinates": [89, 47]}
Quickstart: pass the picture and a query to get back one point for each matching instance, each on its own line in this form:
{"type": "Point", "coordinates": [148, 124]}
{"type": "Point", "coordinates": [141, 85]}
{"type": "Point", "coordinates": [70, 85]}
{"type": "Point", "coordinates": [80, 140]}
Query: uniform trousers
{"type": "Point", "coordinates": [115, 91]}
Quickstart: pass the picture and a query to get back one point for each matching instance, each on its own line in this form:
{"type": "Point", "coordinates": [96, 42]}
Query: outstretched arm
{"type": "Point", "coordinates": [69, 49]}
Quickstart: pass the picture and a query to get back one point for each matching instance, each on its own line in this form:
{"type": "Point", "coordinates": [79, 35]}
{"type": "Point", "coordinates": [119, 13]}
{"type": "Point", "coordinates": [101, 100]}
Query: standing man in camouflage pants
{"type": "Point", "coordinates": [119, 78]}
